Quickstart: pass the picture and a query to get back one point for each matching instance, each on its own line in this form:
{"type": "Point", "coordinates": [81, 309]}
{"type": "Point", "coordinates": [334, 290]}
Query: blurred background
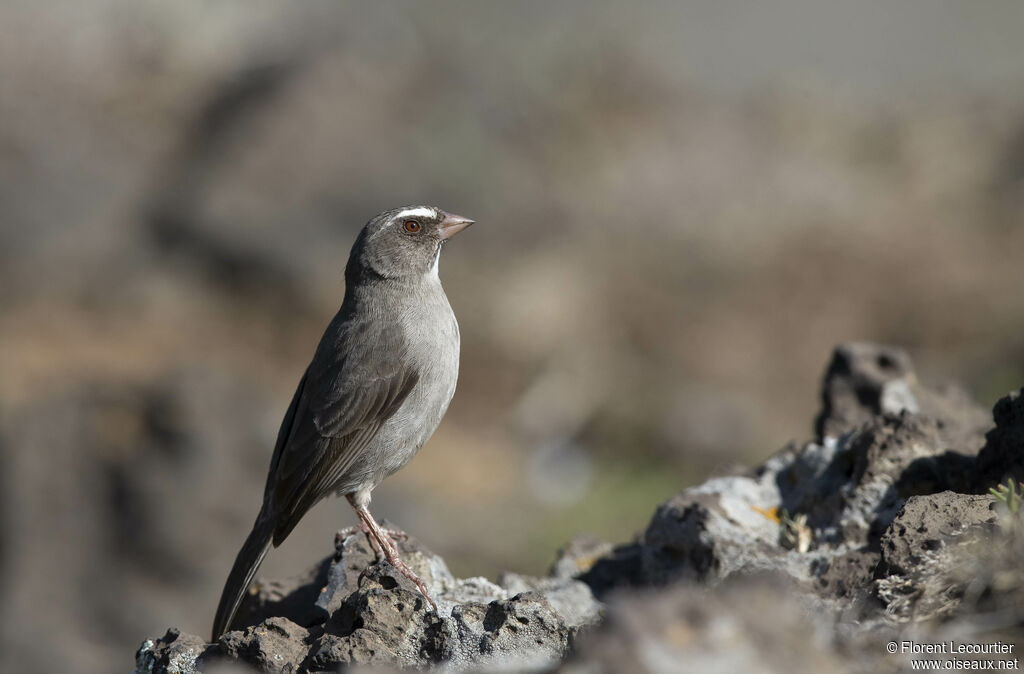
{"type": "Point", "coordinates": [681, 208]}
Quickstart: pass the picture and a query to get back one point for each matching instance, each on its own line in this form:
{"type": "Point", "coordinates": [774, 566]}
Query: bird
{"type": "Point", "coordinates": [376, 389]}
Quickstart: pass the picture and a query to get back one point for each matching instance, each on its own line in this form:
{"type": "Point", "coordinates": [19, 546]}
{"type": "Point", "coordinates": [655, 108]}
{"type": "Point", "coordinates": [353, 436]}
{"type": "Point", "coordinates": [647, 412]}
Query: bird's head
{"type": "Point", "coordinates": [404, 242]}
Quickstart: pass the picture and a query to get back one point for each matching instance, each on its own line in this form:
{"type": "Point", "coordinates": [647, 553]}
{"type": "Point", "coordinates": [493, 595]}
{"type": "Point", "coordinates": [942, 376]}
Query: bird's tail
{"type": "Point", "coordinates": [248, 561]}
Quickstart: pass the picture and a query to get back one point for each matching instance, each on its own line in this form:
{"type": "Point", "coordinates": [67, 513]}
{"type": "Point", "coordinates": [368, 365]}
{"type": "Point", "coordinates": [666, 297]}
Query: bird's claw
{"type": "Point", "coordinates": [390, 553]}
{"type": "Point", "coordinates": [407, 571]}
{"type": "Point", "coordinates": [344, 534]}
{"type": "Point", "coordinates": [396, 534]}
{"type": "Point", "coordinates": [362, 528]}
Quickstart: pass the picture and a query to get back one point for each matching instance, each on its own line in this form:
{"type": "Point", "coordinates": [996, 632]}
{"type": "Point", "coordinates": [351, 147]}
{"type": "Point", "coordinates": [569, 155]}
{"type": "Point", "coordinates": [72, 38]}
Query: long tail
{"type": "Point", "coordinates": [248, 561]}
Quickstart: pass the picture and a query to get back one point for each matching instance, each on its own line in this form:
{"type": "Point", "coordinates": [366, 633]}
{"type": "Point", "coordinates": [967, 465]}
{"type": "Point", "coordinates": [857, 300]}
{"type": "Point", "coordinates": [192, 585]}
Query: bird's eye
{"type": "Point", "coordinates": [412, 226]}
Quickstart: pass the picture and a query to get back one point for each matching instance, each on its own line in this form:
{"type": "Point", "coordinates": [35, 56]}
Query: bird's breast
{"type": "Point", "coordinates": [431, 338]}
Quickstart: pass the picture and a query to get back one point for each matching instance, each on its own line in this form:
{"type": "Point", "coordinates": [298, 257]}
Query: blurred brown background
{"type": "Point", "coordinates": [681, 208]}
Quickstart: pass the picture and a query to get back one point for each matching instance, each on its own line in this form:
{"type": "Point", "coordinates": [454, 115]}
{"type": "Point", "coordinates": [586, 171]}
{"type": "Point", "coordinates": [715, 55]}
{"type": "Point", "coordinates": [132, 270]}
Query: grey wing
{"type": "Point", "coordinates": [341, 406]}
{"type": "Point", "coordinates": [283, 435]}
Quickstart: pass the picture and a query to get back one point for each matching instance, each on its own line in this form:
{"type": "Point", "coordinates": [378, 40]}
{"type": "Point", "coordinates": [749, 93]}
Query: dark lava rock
{"type": "Point", "coordinates": [862, 381]}
{"type": "Point", "coordinates": [753, 624]}
{"type": "Point", "coordinates": [524, 631]}
{"type": "Point", "coordinates": [620, 566]}
{"type": "Point", "coordinates": [173, 652]}
{"type": "Point", "coordinates": [1003, 454]}
{"type": "Point", "coordinates": [350, 610]}
{"type": "Point", "coordinates": [867, 477]}
{"type": "Point", "coordinates": [841, 495]}
{"type": "Point", "coordinates": [842, 518]}
{"type": "Point", "coordinates": [847, 577]}
{"type": "Point", "coordinates": [384, 619]}
{"type": "Point", "coordinates": [277, 645]}
{"type": "Point", "coordinates": [865, 380]}
{"type": "Point", "coordinates": [810, 562]}
{"type": "Point", "coordinates": [925, 524]}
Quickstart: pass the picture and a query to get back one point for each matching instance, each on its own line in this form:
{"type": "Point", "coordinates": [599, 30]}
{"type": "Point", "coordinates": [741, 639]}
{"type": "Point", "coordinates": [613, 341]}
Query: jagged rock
{"type": "Point", "coordinates": [851, 488]}
{"type": "Point", "coordinates": [570, 598]}
{"type": "Point", "coordinates": [867, 501]}
{"type": "Point", "coordinates": [276, 646]}
{"type": "Point", "coordinates": [879, 522]}
{"type": "Point", "coordinates": [714, 529]}
{"type": "Point", "coordinates": [847, 490]}
{"type": "Point", "coordinates": [350, 610]}
{"type": "Point", "coordinates": [750, 625]}
{"type": "Point", "coordinates": [862, 381]}
{"type": "Point", "coordinates": [925, 524]}
{"type": "Point", "coordinates": [385, 619]}
{"type": "Point", "coordinates": [579, 556]}
{"type": "Point", "coordinates": [520, 633]}
{"type": "Point", "coordinates": [888, 460]}
{"type": "Point", "coordinates": [1003, 454]}
{"type": "Point", "coordinates": [966, 579]}
{"type": "Point", "coordinates": [865, 380]}
{"type": "Point", "coordinates": [621, 566]}
{"type": "Point", "coordinates": [174, 652]}
{"type": "Point", "coordinates": [845, 579]}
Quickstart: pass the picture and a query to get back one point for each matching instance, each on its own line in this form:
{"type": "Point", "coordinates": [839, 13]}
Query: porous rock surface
{"type": "Point", "coordinates": [879, 528]}
{"type": "Point", "coordinates": [351, 610]}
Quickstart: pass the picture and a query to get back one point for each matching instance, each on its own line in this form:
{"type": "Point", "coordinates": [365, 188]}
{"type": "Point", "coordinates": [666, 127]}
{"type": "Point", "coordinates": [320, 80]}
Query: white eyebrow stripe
{"type": "Point", "coordinates": [420, 211]}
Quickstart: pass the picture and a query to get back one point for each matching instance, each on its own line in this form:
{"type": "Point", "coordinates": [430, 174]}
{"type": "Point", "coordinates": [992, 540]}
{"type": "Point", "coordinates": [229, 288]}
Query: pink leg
{"type": "Point", "coordinates": [383, 540]}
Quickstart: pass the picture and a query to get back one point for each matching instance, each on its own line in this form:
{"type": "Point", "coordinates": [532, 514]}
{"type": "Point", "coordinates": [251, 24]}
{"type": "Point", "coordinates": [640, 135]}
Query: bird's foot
{"type": "Point", "coordinates": [391, 554]}
{"type": "Point", "coordinates": [385, 540]}
{"type": "Point", "coordinates": [395, 534]}
{"type": "Point", "coordinates": [363, 528]}
{"type": "Point", "coordinates": [343, 534]}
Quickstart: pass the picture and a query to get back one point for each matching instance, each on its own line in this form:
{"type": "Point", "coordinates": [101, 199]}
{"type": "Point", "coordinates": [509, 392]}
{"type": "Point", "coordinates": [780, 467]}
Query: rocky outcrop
{"type": "Point", "coordinates": [1003, 454]}
{"type": "Point", "coordinates": [812, 561]}
{"type": "Point", "coordinates": [352, 610]}
{"type": "Point", "coordinates": [864, 381]}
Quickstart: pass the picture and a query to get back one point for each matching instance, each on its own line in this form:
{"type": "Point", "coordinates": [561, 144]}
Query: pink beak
{"type": "Point", "coordinates": [452, 225]}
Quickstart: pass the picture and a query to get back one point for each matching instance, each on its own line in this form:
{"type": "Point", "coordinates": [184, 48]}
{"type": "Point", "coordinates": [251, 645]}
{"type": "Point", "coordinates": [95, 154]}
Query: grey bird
{"type": "Point", "coordinates": [374, 393]}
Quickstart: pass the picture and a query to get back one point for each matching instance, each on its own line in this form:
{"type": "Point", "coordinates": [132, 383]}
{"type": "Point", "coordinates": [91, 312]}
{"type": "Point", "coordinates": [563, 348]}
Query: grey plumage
{"type": "Point", "coordinates": [375, 391]}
